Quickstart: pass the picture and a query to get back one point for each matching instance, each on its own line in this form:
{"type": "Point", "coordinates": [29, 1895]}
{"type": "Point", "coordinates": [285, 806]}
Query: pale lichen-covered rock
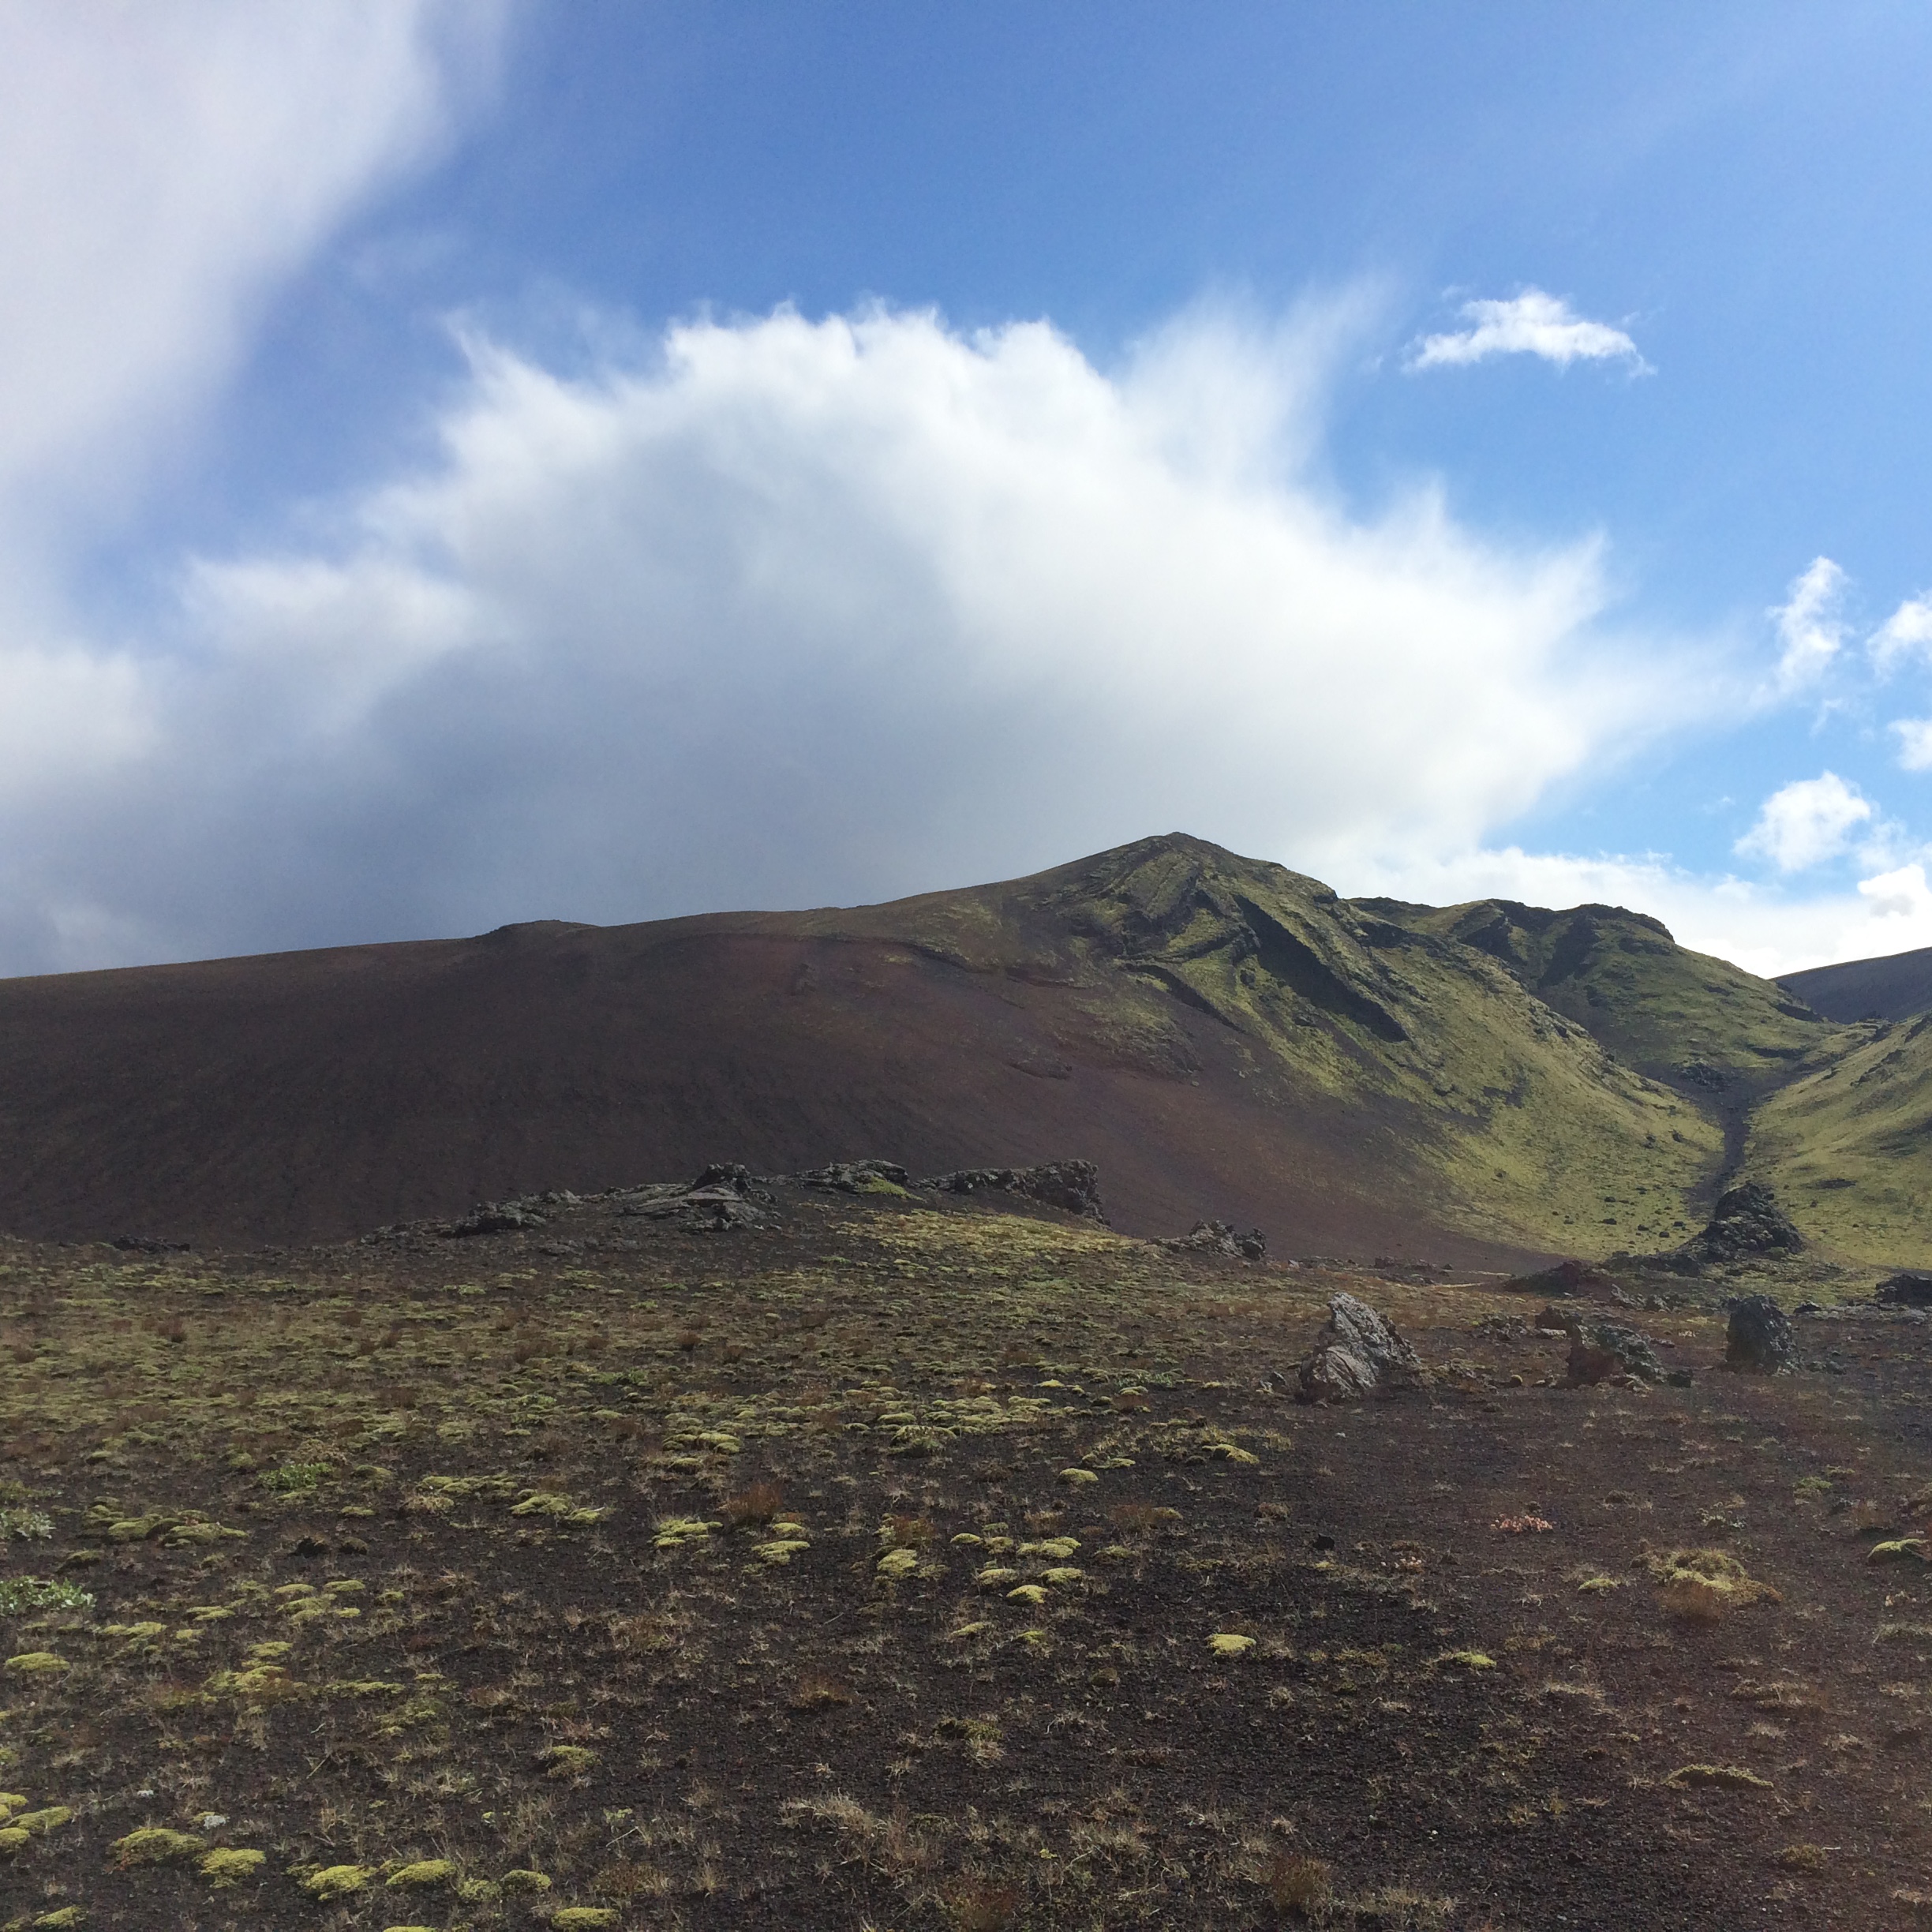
{"type": "Point", "coordinates": [1357, 1353]}
{"type": "Point", "coordinates": [1600, 1349]}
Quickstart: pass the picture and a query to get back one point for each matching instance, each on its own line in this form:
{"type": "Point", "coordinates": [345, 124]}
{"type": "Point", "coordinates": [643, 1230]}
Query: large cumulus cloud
{"type": "Point", "coordinates": [796, 611]}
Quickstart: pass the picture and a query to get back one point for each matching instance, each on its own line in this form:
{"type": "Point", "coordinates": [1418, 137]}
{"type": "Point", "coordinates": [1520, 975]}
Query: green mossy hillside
{"type": "Point", "coordinates": [1848, 1146]}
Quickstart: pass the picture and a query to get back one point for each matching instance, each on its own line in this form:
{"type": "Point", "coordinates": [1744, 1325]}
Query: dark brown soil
{"type": "Point", "coordinates": [1469, 1700]}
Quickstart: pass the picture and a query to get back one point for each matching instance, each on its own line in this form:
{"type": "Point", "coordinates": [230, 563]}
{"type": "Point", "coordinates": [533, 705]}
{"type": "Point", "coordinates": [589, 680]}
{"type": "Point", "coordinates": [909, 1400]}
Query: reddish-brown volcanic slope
{"type": "Point", "coordinates": [308, 1096]}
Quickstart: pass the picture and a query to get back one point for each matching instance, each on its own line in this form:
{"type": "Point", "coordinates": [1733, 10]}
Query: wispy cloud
{"type": "Point", "coordinates": [1914, 737]}
{"type": "Point", "coordinates": [1531, 324]}
{"type": "Point", "coordinates": [1810, 630]}
{"type": "Point", "coordinates": [1907, 632]}
{"type": "Point", "coordinates": [1804, 823]}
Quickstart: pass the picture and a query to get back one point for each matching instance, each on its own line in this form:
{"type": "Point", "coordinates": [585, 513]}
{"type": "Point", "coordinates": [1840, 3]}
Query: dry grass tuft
{"type": "Point", "coordinates": [1298, 1884]}
{"type": "Point", "coordinates": [757, 1502]}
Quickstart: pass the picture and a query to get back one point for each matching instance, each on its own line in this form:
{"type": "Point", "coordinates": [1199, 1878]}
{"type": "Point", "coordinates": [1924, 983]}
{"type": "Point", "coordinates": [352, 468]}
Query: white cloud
{"type": "Point", "coordinates": [1809, 628]}
{"type": "Point", "coordinates": [1914, 737]}
{"type": "Point", "coordinates": [1805, 822]}
{"type": "Point", "coordinates": [806, 610]}
{"type": "Point", "coordinates": [1907, 631]}
{"type": "Point", "coordinates": [1530, 323]}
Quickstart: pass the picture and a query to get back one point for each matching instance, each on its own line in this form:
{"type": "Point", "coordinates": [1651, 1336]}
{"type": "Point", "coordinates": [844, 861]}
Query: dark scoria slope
{"type": "Point", "coordinates": [1895, 988]}
{"type": "Point", "coordinates": [1221, 1036]}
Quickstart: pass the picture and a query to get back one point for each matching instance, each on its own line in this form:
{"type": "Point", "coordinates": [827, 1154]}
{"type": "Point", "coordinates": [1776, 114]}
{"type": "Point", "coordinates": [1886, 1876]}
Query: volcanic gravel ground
{"type": "Point", "coordinates": [865, 1569]}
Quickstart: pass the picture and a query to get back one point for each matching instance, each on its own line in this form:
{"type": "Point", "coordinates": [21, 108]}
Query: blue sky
{"type": "Point", "coordinates": [473, 463]}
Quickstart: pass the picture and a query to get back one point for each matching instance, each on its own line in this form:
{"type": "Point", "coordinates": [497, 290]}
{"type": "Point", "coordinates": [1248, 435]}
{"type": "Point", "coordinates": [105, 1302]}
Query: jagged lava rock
{"type": "Point", "coordinates": [1758, 1340]}
{"type": "Point", "coordinates": [1565, 1278]}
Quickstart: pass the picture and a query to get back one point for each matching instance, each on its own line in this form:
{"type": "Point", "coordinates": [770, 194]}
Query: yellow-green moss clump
{"type": "Point", "coordinates": [38, 1824]}
{"type": "Point", "coordinates": [36, 1664]}
{"type": "Point", "coordinates": [583, 1918]}
{"type": "Point", "coordinates": [422, 1874]}
{"type": "Point", "coordinates": [337, 1881]}
{"type": "Point", "coordinates": [155, 1844]}
{"type": "Point", "coordinates": [228, 1868]}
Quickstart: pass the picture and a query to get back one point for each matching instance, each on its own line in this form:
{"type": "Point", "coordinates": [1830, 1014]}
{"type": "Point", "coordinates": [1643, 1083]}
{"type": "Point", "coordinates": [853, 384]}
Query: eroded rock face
{"type": "Point", "coordinates": [1758, 1340]}
{"type": "Point", "coordinates": [1357, 1353]}
{"type": "Point", "coordinates": [1072, 1186]}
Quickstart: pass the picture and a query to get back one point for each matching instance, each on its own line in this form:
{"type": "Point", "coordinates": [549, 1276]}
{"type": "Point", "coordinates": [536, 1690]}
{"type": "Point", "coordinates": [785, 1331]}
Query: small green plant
{"type": "Point", "coordinates": [294, 1478]}
{"type": "Point", "coordinates": [26, 1593]}
{"type": "Point", "coordinates": [22, 1525]}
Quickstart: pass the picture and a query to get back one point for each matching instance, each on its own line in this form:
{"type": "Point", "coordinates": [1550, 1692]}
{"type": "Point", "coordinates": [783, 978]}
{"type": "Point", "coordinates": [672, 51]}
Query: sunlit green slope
{"type": "Point", "coordinates": [1848, 1146]}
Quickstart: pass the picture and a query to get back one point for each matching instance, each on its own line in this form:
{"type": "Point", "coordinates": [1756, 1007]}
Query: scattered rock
{"type": "Point", "coordinates": [1600, 1349]}
{"type": "Point", "coordinates": [725, 1195]}
{"type": "Point", "coordinates": [1219, 1237]}
{"type": "Point", "coordinates": [1758, 1340]}
{"type": "Point", "coordinates": [1908, 1289]}
{"type": "Point", "coordinates": [1357, 1353]}
{"type": "Point", "coordinates": [1072, 1186]}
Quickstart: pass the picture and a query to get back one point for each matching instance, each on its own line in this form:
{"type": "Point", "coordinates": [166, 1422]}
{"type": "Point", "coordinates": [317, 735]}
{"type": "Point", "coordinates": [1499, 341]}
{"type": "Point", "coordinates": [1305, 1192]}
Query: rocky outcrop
{"type": "Point", "coordinates": [1072, 1186]}
{"type": "Point", "coordinates": [1219, 1237]}
{"type": "Point", "coordinates": [1758, 1340]}
{"type": "Point", "coordinates": [725, 1196]}
{"type": "Point", "coordinates": [1357, 1353]}
{"type": "Point", "coordinates": [1746, 1222]}
{"type": "Point", "coordinates": [859, 1177]}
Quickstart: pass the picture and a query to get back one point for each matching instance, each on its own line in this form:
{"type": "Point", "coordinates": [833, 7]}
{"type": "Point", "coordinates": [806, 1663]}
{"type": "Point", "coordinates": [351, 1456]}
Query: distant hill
{"type": "Point", "coordinates": [1893, 988]}
{"type": "Point", "coordinates": [1222, 1036]}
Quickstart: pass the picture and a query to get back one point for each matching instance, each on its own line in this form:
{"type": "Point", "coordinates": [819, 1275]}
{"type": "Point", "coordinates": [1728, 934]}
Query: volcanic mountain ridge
{"type": "Point", "coordinates": [1220, 1035]}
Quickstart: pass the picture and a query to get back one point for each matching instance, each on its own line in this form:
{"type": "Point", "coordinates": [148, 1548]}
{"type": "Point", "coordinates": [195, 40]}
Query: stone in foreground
{"type": "Point", "coordinates": [1357, 1353]}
